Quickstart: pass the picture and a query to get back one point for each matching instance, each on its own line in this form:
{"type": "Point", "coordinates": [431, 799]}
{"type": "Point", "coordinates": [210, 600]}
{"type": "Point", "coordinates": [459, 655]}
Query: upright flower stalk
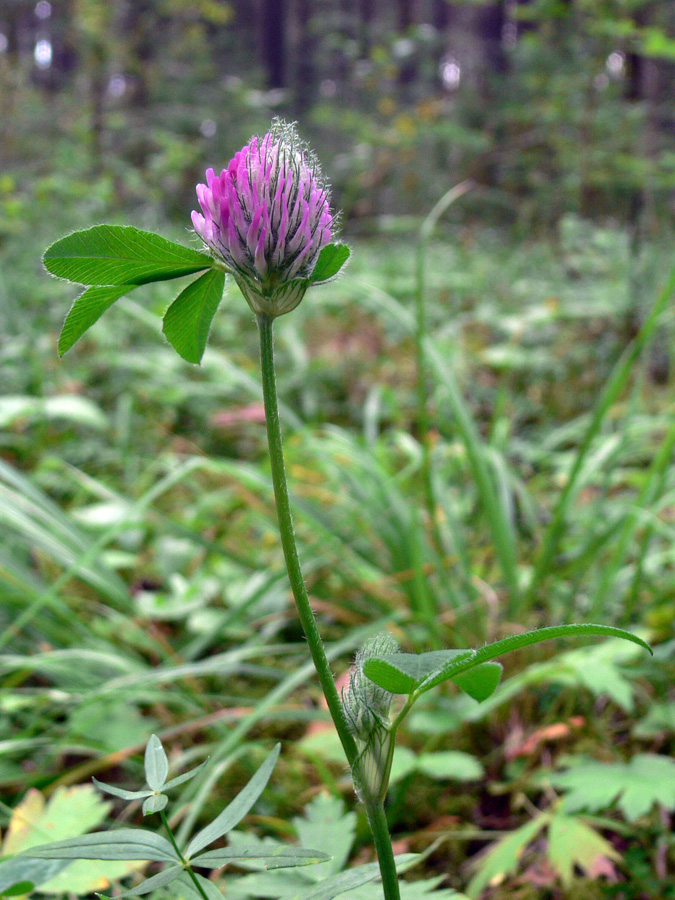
{"type": "Point", "coordinates": [267, 219]}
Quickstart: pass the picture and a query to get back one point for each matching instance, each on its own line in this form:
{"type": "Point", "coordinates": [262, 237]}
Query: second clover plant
{"type": "Point", "coordinates": [266, 221]}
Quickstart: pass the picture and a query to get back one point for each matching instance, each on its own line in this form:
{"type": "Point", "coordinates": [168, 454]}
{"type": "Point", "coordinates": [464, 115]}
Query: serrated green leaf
{"type": "Point", "coordinates": [187, 321]}
{"type": "Point", "coordinates": [331, 259]}
{"type": "Point", "coordinates": [237, 809]}
{"type": "Point", "coordinates": [481, 681]}
{"type": "Point", "coordinates": [120, 792]}
{"type": "Point", "coordinates": [646, 780]}
{"type": "Point", "coordinates": [69, 812]}
{"type": "Point", "coordinates": [402, 673]}
{"type": "Point", "coordinates": [504, 855]}
{"type": "Point", "coordinates": [120, 254]}
{"type": "Point", "coordinates": [155, 803]}
{"type": "Point", "coordinates": [326, 824]}
{"type": "Point", "coordinates": [86, 310]}
{"type": "Point", "coordinates": [156, 764]}
{"type": "Point", "coordinates": [279, 858]}
{"type": "Point", "coordinates": [573, 843]}
{"type": "Point", "coordinates": [123, 844]}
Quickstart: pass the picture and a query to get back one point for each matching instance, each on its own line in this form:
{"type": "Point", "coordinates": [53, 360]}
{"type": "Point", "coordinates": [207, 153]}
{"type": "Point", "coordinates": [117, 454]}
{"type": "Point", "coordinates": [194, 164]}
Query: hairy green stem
{"type": "Point", "coordinates": [385, 852]}
{"type": "Point", "coordinates": [287, 533]}
{"type": "Point", "coordinates": [186, 864]}
{"type": "Point", "coordinates": [375, 809]}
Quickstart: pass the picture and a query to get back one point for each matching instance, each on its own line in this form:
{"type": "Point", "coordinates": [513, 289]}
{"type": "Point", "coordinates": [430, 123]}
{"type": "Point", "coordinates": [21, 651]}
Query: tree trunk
{"type": "Point", "coordinates": [407, 70]}
{"type": "Point", "coordinates": [367, 15]}
{"type": "Point", "coordinates": [274, 42]}
{"type": "Point", "coordinates": [305, 75]}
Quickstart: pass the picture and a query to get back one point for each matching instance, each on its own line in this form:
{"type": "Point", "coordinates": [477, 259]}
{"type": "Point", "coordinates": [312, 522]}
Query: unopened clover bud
{"type": "Point", "coordinates": [267, 217]}
{"type": "Point", "coordinates": [366, 707]}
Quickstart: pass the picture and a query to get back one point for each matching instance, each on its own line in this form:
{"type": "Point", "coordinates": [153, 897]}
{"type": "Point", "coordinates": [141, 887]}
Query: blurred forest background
{"type": "Point", "coordinates": [525, 479]}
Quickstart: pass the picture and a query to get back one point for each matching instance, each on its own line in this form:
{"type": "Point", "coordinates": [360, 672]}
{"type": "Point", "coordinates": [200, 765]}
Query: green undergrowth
{"type": "Point", "coordinates": [142, 586]}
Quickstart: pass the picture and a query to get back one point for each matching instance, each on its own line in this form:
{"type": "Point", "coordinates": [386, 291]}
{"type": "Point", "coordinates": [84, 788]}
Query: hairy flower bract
{"type": "Point", "coordinates": [267, 216]}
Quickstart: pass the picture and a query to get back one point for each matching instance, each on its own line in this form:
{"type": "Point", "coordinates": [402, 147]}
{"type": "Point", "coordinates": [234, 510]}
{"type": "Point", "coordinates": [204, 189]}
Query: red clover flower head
{"type": "Point", "coordinates": [267, 217]}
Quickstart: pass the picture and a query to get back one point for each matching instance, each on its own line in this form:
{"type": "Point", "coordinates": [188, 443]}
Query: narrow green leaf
{"type": "Point", "coordinates": [481, 681]}
{"type": "Point", "coordinates": [181, 779]}
{"type": "Point", "coordinates": [350, 879]}
{"type": "Point", "coordinates": [189, 891]}
{"type": "Point", "coordinates": [498, 648]}
{"type": "Point", "coordinates": [504, 855]}
{"type": "Point", "coordinates": [156, 764]}
{"type": "Point", "coordinates": [87, 309]}
{"type": "Point", "coordinates": [124, 844]}
{"type": "Point", "coordinates": [120, 254]}
{"type": "Point", "coordinates": [161, 879]}
{"type": "Point", "coordinates": [237, 809]}
{"type": "Point", "coordinates": [402, 673]}
{"type": "Point", "coordinates": [22, 869]}
{"type": "Point", "coordinates": [188, 320]}
{"type": "Point", "coordinates": [555, 631]}
{"type": "Point", "coordinates": [120, 792]}
{"type": "Point", "coordinates": [155, 803]}
{"type": "Point", "coordinates": [279, 858]}
{"type": "Point", "coordinates": [331, 259]}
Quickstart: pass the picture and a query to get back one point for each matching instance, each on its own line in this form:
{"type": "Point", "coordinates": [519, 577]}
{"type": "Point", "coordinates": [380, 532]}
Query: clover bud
{"type": "Point", "coordinates": [366, 707]}
{"type": "Point", "coordinates": [267, 217]}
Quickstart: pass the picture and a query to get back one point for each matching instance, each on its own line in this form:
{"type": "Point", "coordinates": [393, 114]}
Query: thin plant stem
{"type": "Point", "coordinates": [186, 864]}
{"type": "Point", "coordinates": [374, 809]}
{"type": "Point", "coordinates": [288, 543]}
{"type": "Point", "coordinates": [385, 852]}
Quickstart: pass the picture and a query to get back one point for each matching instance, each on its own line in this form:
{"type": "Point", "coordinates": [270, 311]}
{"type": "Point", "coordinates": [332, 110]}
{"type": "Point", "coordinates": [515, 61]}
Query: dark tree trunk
{"type": "Point", "coordinates": [305, 74]}
{"type": "Point", "coordinates": [490, 27]}
{"type": "Point", "coordinates": [408, 68]}
{"type": "Point", "coordinates": [366, 24]}
{"type": "Point", "coordinates": [274, 42]}
{"type": "Point", "coordinates": [140, 29]}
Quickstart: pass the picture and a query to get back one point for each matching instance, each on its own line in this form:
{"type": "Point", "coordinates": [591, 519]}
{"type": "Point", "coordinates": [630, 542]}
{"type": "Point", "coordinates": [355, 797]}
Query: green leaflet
{"type": "Point", "coordinates": [120, 254]}
{"type": "Point", "coordinates": [188, 320]}
{"type": "Point", "coordinates": [331, 259]}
